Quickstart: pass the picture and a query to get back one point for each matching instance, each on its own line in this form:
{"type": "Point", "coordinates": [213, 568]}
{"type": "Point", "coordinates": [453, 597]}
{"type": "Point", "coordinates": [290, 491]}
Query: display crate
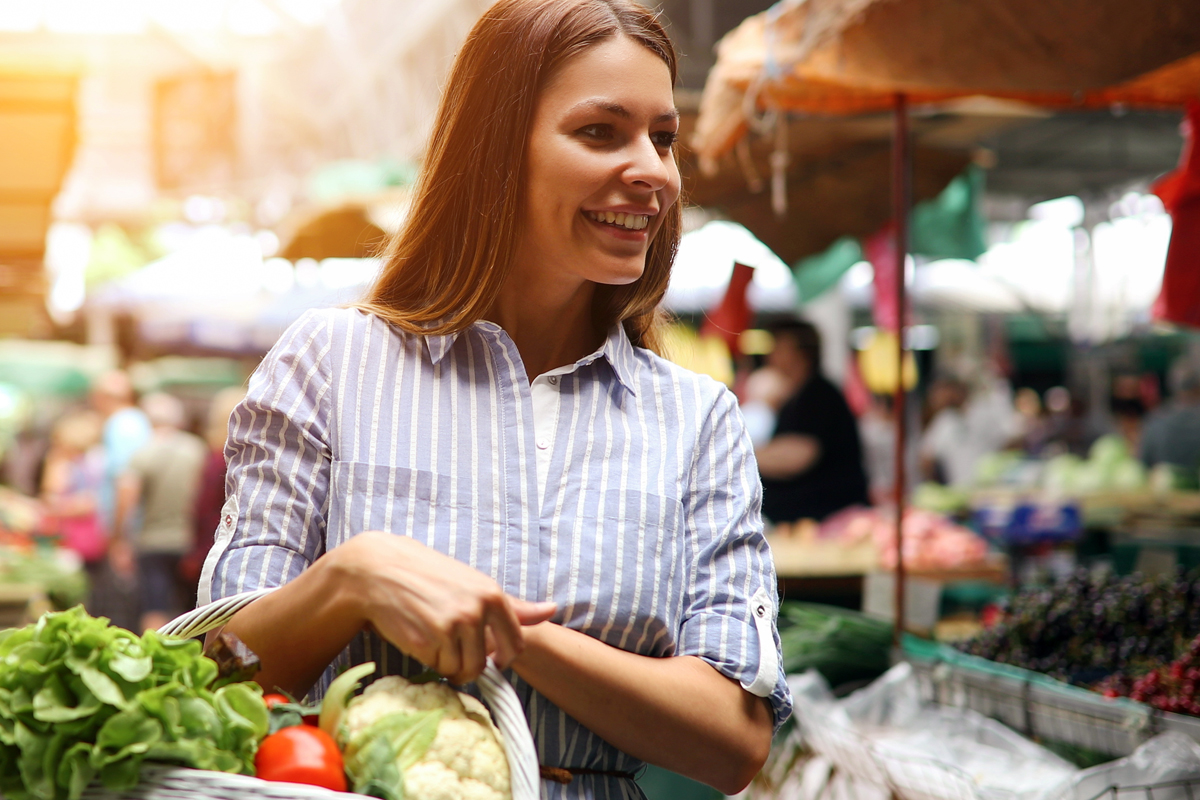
{"type": "Point", "coordinates": [1169, 790]}
{"type": "Point", "coordinates": [1038, 706]}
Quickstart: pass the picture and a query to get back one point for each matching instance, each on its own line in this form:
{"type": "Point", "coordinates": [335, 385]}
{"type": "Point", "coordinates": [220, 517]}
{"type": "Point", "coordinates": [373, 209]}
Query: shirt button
{"type": "Point", "coordinates": [553, 380]}
{"type": "Point", "coordinates": [542, 444]}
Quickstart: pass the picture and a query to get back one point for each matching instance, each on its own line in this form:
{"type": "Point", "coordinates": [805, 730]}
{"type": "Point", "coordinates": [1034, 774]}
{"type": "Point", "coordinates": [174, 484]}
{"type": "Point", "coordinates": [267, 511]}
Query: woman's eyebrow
{"type": "Point", "coordinates": [621, 111]}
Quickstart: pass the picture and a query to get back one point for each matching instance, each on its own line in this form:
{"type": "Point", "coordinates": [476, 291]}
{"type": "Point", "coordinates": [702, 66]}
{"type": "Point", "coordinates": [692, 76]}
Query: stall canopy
{"type": "Point", "coordinates": [852, 56]}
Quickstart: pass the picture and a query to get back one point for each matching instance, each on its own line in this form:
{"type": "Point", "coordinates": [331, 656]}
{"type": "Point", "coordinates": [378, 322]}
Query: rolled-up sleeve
{"type": "Point", "coordinates": [273, 521]}
{"type": "Point", "coordinates": [732, 601]}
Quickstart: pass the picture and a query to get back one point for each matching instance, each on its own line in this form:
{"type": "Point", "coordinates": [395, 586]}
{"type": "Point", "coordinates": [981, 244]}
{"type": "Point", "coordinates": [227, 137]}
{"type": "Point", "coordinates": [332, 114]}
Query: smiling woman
{"type": "Point", "coordinates": [488, 457]}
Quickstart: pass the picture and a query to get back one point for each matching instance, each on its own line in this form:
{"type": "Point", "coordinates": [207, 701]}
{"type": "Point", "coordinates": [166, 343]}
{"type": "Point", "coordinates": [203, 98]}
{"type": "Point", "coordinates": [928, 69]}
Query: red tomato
{"type": "Point", "coordinates": [301, 754]}
{"type": "Point", "coordinates": [274, 698]}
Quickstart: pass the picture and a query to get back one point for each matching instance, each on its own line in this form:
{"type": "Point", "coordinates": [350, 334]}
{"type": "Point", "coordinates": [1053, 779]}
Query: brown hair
{"type": "Point", "coordinates": [447, 264]}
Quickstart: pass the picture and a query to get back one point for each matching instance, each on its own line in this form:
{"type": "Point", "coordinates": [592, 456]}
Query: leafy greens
{"type": "Point", "coordinates": [80, 700]}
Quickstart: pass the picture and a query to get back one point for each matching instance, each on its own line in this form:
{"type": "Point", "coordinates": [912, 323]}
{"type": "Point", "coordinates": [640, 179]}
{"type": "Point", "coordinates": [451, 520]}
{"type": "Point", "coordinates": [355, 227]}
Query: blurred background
{"type": "Point", "coordinates": [179, 181]}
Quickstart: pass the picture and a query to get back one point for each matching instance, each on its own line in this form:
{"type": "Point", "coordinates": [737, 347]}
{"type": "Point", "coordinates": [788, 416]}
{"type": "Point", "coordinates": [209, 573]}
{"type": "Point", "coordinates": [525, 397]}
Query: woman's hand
{"type": "Point", "coordinates": [434, 608]}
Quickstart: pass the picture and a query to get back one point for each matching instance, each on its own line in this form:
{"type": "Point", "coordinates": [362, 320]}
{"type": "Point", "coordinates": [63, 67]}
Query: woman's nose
{"type": "Point", "coordinates": [648, 168]}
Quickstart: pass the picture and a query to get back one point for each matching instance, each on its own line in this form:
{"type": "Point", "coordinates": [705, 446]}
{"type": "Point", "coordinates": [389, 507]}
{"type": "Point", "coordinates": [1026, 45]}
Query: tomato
{"type": "Point", "coordinates": [275, 698]}
{"type": "Point", "coordinates": [301, 754]}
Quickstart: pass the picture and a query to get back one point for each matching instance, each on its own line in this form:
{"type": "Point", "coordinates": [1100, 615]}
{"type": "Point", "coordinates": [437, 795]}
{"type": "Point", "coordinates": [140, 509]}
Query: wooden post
{"type": "Point", "coordinates": [901, 176]}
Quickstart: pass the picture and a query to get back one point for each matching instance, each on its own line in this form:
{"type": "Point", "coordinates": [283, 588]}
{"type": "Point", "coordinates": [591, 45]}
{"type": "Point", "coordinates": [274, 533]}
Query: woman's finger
{"type": "Point", "coordinates": [449, 658]}
{"type": "Point", "coordinates": [506, 631]}
{"type": "Point", "coordinates": [528, 613]}
{"type": "Point", "coordinates": [474, 652]}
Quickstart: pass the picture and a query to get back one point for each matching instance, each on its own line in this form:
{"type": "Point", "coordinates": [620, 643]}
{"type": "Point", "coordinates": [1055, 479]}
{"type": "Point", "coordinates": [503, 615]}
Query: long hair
{"type": "Point", "coordinates": [445, 267]}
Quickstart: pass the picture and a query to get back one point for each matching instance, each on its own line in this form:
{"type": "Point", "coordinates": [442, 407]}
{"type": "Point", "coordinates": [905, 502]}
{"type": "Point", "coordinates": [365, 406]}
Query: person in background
{"type": "Point", "coordinates": [813, 464]}
{"type": "Point", "coordinates": [210, 495]}
{"type": "Point", "coordinates": [71, 480]}
{"type": "Point", "coordinates": [161, 480]}
{"type": "Point", "coordinates": [1128, 409]}
{"type": "Point", "coordinates": [126, 429]}
{"type": "Point", "coordinates": [1172, 433]}
{"type": "Point", "coordinates": [967, 427]}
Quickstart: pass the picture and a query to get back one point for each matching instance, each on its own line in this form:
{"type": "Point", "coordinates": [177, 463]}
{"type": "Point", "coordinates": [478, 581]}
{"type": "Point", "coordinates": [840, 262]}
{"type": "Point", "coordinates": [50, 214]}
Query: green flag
{"type": "Point", "coordinates": [950, 225]}
{"type": "Point", "coordinates": [817, 274]}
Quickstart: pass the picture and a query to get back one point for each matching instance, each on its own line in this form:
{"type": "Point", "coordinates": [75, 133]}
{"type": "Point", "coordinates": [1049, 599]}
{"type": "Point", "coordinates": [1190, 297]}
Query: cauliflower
{"type": "Point", "coordinates": [441, 744]}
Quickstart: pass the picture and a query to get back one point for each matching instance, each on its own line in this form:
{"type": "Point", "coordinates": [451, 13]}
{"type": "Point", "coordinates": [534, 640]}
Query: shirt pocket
{"type": "Point", "coordinates": [403, 500]}
{"type": "Point", "coordinates": [619, 570]}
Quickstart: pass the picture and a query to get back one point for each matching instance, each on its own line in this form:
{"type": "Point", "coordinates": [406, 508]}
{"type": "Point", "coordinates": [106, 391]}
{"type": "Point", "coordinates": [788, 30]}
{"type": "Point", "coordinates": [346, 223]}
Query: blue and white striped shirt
{"type": "Point", "coordinates": [623, 488]}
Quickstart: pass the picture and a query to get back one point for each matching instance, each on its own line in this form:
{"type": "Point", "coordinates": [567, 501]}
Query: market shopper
{"type": "Point", "coordinates": [488, 456]}
{"type": "Point", "coordinates": [71, 480]}
{"type": "Point", "coordinates": [813, 464]}
{"type": "Point", "coordinates": [1172, 433]}
{"type": "Point", "coordinates": [160, 482]}
{"type": "Point", "coordinates": [126, 429]}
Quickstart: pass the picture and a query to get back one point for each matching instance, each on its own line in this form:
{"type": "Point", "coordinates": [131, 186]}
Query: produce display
{"type": "Point", "coordinates": [1101, 632]}
{"type": "Point", "coordinates": [931, 541]}
{"type": "Point", "coordinates": [841, 644]}
{"type": "Point", "coordinates": [1169, 688]}
{"type": "Point", "coordinates": [80, 699]}
{"type": "Point", "coordinates": [1109, 466]}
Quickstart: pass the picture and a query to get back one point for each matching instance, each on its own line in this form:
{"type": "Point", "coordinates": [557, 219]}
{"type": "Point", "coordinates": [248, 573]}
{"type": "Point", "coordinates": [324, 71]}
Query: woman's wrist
{"type": "Point", "coordinates": [343, 575]}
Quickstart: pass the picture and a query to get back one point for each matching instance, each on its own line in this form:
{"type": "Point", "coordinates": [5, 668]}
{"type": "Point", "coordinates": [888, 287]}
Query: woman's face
{"type": "Point", "coordinates": [600, 169]}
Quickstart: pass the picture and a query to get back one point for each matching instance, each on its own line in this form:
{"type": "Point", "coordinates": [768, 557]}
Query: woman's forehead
{"type": "Point", "coordinates": [617, 75]}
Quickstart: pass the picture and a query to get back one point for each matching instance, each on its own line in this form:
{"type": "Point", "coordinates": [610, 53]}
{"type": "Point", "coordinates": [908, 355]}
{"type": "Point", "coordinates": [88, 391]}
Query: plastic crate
{"type": "Point", "coordinates": [1169, 790]}
{"type": "Point", "coordinates": [1035, 705]}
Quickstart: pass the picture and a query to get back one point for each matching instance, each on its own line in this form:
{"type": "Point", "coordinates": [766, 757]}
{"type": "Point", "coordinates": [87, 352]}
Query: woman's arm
{"type": "Point", "coordinates": [678, 713]}
{"type": "Point", "coordinates": [438, 610]}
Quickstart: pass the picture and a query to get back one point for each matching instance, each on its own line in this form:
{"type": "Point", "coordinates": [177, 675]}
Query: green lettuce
{"type": "Point", "coordinates": [81, 700]}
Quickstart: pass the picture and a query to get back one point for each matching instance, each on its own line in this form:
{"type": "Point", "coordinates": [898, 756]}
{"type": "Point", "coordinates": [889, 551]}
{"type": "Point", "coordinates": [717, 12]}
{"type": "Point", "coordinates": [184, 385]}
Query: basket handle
{"type": "Point", "coordinates": [497, 691]}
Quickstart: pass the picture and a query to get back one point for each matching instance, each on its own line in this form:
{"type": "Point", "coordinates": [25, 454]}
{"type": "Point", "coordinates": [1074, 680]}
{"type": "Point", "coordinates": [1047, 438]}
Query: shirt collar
{"type": "Point", "coordinates": [617, 350]}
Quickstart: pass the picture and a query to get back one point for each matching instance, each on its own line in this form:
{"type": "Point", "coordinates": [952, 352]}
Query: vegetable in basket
{"type": "Point", "coordinates": [82, 700]}
{"type": "Point", "coordinates": [415, 741]}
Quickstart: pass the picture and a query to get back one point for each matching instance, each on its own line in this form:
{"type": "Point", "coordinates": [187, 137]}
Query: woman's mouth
{"type": "Point", "coordinates": [629, 222]}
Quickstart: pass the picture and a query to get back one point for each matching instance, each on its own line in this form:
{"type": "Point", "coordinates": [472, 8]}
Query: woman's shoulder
{"type": "Point", "coordinates": [660, 373]}
{"type": "Point", "coordinates": [340, 325]}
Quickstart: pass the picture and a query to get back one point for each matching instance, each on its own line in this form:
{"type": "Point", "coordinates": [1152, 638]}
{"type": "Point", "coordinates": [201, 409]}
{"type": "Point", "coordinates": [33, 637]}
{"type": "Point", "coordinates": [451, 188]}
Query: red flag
{"type": "Point", "coordinates": [733, 314]}
{"type": "Point", "coordinates": [880, 249]}
{"type": "Point", "coordinates": [1179, 299]}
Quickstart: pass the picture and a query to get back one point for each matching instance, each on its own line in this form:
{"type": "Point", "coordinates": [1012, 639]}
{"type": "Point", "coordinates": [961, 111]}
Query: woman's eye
{"type": "Point", "coordinates": [665, 139]}
{"type": "Point", "coordinates": [600, 133]}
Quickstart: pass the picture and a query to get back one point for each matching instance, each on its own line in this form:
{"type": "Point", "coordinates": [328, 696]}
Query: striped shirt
{"type": "Point", "coordinates": [622, 487]}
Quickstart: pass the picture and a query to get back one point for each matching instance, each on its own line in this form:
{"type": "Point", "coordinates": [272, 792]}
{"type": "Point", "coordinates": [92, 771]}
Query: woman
{"type": "Point", "coordinates": [566, 500]}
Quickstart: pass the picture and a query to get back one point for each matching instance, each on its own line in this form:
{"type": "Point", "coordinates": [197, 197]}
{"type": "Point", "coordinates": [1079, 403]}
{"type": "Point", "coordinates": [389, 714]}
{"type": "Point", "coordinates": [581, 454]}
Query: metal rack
{"type": "Point", "coordinates": [1169, 790]}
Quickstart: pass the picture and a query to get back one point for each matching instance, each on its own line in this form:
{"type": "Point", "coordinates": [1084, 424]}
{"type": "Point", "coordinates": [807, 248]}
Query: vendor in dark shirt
{"type": "Point", "coordinates": [812, 466]}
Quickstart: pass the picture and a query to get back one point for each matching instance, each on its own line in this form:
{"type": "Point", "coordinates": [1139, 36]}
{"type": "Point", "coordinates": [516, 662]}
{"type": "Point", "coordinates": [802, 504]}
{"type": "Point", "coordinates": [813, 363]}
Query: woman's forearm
{"type": "Point", "coordinates": [297, 630]}
{"type": "Point", "coordinates": [678, 713]}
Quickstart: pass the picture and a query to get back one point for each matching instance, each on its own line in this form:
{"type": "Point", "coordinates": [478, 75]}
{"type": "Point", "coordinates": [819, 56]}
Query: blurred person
{"type": "Point", "coordinates": [968, 426]}
{"type": "Point", "coordinates": [813, 464]}
{"type": "Point", "coordinates": [1128, 409]}
{"type": "Point", "coordinates": [161, 480]}
{"type": "Point", "coordinates": [488, 456]}
{"type": "Point", "coordinates": [210, 495]}
{"type": "Point", "coordinates": [877, 430]}
{"type": "Point", "coordinates": [71, 481]}
{"type": "Point", "coordinates": [1172, 432]}
{"type": "Point", "coordinates": [765, 391]}
{"type": "Point", "coordinates": [125, 430]}
{"type": "Point", "coordinates": [1066, 430]}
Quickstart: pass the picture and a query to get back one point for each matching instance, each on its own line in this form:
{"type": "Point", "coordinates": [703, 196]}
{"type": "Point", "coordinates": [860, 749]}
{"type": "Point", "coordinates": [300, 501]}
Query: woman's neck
{"type": "Point", "coordinates": [550, 329]}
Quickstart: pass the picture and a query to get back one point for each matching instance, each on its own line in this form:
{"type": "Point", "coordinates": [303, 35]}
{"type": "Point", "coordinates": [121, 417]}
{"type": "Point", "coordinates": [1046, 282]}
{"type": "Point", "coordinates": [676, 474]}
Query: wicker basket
{"type": "Point", "coordinates": [176, 783]}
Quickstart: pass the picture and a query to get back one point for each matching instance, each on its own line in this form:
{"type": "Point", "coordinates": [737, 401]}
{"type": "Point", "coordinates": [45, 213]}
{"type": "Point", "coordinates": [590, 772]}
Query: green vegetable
{"type": "Point", "coordinates": [377, 756]}
{"type": "Point", "coordinates": [842, 645]}
{"type": "Point", "coordinates": [80, 699]}
{"type": "Point", "coordinates": [337, 695]}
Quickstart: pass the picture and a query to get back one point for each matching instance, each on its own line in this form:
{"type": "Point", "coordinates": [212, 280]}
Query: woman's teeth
{"type": "Point", "coordinates": [633, 222]}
